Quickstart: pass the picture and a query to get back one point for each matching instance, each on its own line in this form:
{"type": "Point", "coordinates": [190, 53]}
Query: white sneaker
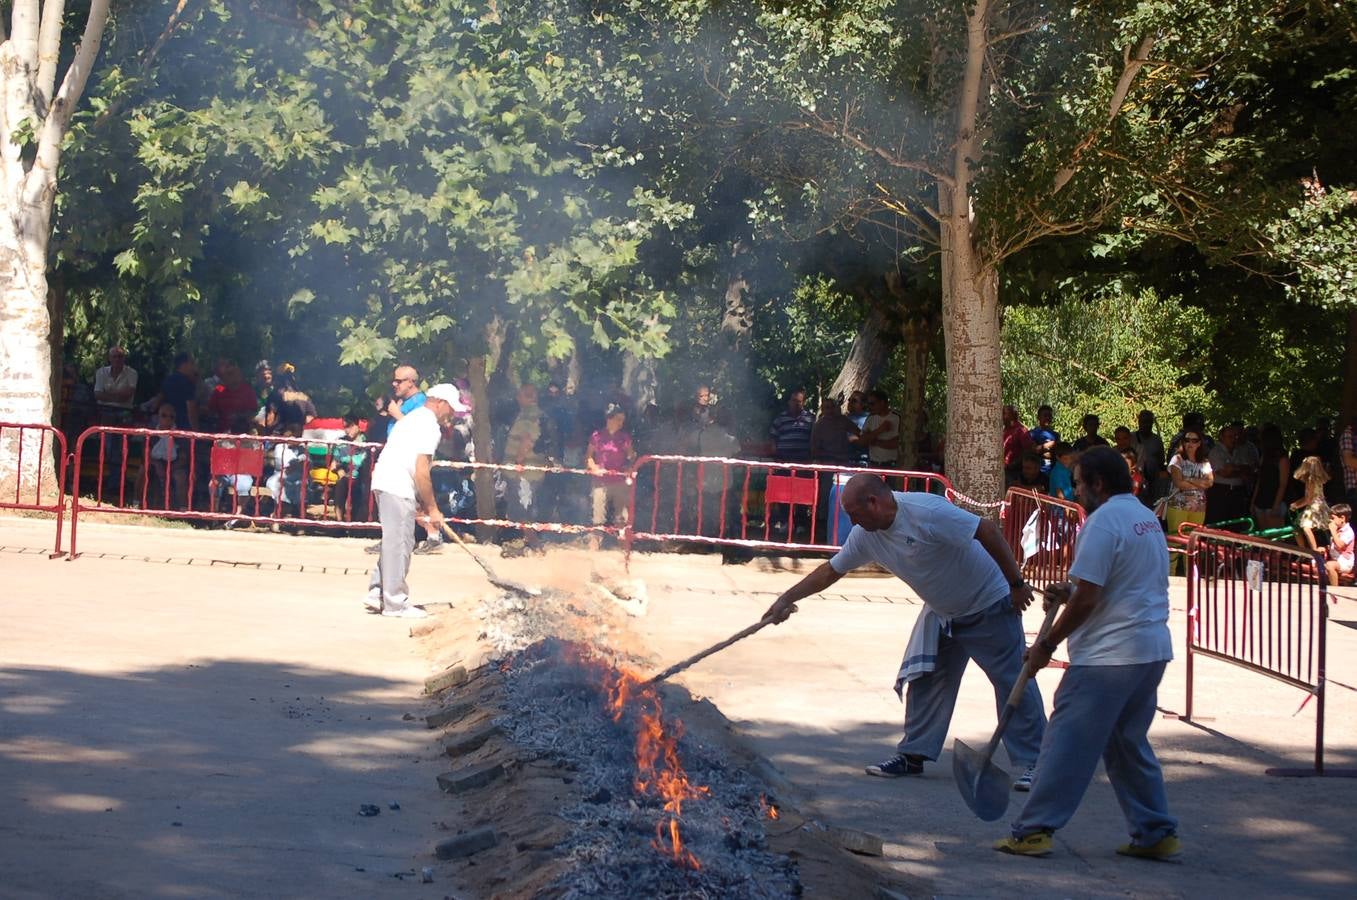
{"type": "Point", "coordinates": [1023, 783]}
{"type": "Point", "coordinates": [409, 612]}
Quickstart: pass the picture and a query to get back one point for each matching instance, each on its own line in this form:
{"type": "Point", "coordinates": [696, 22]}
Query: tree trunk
{"type": "Point", "coordinates": [25, 354]}
{"type": "Point", "coordinates": [868, 356]}
{"type": "Point", "coordinates": [970, 320]}
{"type": "Point", "coordinates": [480, 436]}
{"type": "Point", "coordinates": [918, 335]}
{"type": "Point", "coordinates": [640, 383]}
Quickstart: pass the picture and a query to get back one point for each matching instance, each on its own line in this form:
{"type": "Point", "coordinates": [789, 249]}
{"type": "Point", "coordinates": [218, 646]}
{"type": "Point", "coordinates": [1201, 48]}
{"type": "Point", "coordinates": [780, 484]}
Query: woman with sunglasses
{"type": "Point", "coordinates": [1191, 474]}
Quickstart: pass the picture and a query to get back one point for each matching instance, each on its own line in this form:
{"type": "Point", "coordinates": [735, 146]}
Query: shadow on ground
{"type": "Point", "coordinates": [1245, 833]}
{"type": "Point", "coordinates": [228, 778]}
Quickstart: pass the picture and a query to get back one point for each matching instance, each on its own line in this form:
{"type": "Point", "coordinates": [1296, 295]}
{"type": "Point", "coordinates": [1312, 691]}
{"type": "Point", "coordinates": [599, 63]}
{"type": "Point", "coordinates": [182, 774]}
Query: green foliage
{"type": "Point", "coordinates": [804, 341]}
{"type": "Point", "coordinates": [1111, 354]}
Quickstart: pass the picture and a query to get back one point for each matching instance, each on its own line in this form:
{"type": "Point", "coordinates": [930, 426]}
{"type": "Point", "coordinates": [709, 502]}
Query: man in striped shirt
{"type": "Point", "coordinates": [790, 431]}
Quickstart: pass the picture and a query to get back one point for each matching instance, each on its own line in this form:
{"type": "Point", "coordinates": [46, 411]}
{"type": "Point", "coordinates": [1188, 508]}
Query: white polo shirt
{"type": "Point", "coordinates": [105, 380]}
{"type": "Point", "coordinates": [1121, 548]}
{"type": "Point", "coordinates": [931, 547]}
{"type": "Point", "coordinates": [415, 435]}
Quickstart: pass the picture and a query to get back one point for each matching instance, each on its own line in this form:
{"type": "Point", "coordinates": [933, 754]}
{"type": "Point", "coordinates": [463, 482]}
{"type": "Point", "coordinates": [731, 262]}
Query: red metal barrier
{"type": "Point", "coordinates": [188, 475]}
{"type": "Point", "coordinates": [541, 499]}
{"type": "Point", "coordinates": [30, 447]}
{"type": "Point", "coordinates": [1261, 606]}
{"type": "Point", "coordinates": [1040, 530]}
{"type": "Point", "coordinates": [754, 504]}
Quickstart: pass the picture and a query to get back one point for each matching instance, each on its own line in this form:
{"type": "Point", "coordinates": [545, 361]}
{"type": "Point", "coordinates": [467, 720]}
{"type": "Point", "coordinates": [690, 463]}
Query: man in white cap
{"type": "Point", "coordinates": [401, 484]}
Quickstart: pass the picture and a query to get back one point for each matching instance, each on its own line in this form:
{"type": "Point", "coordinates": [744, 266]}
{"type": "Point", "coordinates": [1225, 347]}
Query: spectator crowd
{"type": "Point", "coordinates": [1246, 477]}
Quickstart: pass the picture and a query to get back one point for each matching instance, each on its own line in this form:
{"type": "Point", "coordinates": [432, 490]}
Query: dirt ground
{"type": "Point", "coordinates": [200, 713]}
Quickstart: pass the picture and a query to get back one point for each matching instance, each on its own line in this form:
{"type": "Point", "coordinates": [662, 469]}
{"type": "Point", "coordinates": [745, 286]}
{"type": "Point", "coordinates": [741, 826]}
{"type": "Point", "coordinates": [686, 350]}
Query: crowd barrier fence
{"type": "Point", "coordinates": [558, 499]}
{"type": "Point", "coordinates": [1261, 606]}
{"type": "Point", "coordinates": [750, 504]}
{"type": "Point", "coordinates": [40, 459]}
{"type": "Point", "coordinates": [193, 476]}
{"type": "Point", "coordinates": [1041, 530]}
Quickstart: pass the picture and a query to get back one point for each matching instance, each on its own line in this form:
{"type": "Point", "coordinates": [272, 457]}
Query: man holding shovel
{"type": "Point", "coordinates": [401, 483]}
{"type": "Point", "coordinates": [962, 569]}
{"type": "Point", "coordinates": [1116, 619]}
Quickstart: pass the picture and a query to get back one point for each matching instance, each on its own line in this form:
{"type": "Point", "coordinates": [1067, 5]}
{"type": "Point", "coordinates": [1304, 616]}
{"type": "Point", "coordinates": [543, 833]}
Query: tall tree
{"type": "Point", "coordinates": [986, 127]}
{"type": "Point", "coordinates": [35, 113]}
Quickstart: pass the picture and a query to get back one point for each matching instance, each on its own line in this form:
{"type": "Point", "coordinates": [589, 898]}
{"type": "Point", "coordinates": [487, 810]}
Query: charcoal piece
{"type": "Point", "coordinates": [462, 744]}
{"type": "Point", "coordinates": [469, 779]}
{"type": "Point", "coordinates": [466, 844]}
{"type": "Point", "coordinates": [602, 795]}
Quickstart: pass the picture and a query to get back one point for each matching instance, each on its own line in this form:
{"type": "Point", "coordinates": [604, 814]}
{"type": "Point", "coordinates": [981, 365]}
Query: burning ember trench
{"type": "Point", "coordinates": [658, 769]}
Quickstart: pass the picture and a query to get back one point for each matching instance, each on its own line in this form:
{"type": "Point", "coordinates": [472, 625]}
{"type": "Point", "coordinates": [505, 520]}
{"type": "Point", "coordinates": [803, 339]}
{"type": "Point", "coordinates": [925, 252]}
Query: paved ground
{"type": "Point", "coordinates": [258, 706]}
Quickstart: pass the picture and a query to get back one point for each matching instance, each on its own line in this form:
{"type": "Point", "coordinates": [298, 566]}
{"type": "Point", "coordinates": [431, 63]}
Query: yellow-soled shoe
{"type": "Point", "coordinates": [1036, 844]}
{"type": "Point", "coordinates": [1166, 847]}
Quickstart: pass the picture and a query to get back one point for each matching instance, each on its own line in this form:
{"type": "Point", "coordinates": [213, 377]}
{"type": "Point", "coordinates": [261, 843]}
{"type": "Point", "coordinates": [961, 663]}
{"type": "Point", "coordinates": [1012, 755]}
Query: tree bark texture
{"type": "Point", "coordinates": [34, 116]}
{"type": "Point", "coordinates": [867, 358]}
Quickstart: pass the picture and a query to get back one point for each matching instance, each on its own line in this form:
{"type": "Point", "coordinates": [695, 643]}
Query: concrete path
{"type": "Point", "coordinates": [174, 730]}
{"type": "Point", "coordinates": [233, 684]}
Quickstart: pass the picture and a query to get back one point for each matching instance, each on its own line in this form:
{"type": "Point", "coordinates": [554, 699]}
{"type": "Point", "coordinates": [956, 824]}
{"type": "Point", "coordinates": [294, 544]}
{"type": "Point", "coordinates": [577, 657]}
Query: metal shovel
{"type": "Point", "coordinates": [503, 583]}
{"type": "Point", "coordinates": [983, 785]}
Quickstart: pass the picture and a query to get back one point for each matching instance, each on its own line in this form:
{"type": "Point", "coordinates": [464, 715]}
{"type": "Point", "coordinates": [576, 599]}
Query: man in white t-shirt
{"type": "Point", "coordinates": [116, 383]}
{"type": "Point", "coordinates": [401, 484]}
{"type": "Point", "coordinates": [963, 570]}
{"type": "Point", "coordinates": [881, 432]}
{"type": "Point", "coordinates": [1116, 619]}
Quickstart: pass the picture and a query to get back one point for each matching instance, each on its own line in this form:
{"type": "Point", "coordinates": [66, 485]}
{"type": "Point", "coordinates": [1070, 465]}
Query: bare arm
{"type": "Point", "coordinates": [992, 539]}
{"type": "Point", "coordinates": [814, 583]}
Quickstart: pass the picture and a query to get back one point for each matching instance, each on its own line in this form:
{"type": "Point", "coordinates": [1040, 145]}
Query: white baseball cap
{"type": "Point", "coordinates": [449, 394]}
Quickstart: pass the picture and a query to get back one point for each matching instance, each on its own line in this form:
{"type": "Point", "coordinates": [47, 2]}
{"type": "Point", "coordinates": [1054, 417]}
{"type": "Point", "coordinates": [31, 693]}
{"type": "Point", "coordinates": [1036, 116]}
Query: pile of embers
{"type": "Point", "coordinates": [662, 814]}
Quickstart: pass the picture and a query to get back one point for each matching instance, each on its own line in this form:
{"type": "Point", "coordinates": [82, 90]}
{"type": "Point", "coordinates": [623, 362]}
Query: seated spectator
{"type": "Point", "coordinates": [1030, 475]}
{"type": "Point", "coordinates": [347, 463]}
{"type": "Point", "coordinates": [1341, 540]}
{"type": "Point", "coordinates": [1045, 437]}
{"type": "Point", "coordinates": [285, 484]}
{"type": "Point", "coordinates": [232, 403]}
{"type": "Point", "coordinates": [167, 480]}
{"type": "Point", "coordinates": [1016, 442]}
{"type": "Point", "coordinates": [1091, 436]}
{"type": "Point", "coordinates": [1062, 471]}
{"type": "Point", "coordinates": [1128, 453]}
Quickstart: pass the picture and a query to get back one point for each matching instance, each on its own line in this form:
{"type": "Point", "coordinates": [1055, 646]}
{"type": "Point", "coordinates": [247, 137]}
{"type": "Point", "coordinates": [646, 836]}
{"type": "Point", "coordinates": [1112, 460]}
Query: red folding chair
{"type": "Point", "coordinates": [792, 492]}
{"type": "Point", "coordinates": [230, 459]}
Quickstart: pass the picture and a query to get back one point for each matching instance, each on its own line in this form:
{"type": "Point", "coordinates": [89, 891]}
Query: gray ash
{"type": "Point", "coordinates": [559, 700]}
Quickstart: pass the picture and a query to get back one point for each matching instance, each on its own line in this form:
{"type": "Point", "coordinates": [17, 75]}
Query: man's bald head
{"type": "Point", "coordinates": [869, 502]}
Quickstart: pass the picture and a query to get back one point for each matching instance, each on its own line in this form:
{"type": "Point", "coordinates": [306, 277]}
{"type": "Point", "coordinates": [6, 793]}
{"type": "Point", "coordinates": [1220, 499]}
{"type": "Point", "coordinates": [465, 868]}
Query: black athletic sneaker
{"type": "Point", "coordinates": [898, 766]}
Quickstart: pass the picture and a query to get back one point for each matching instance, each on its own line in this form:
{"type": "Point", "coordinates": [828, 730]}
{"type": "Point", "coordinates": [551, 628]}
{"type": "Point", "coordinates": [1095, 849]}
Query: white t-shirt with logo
{"type": "Point", "coordinates": [415, 435]}
{"type": "Point", "coordinates": [1121, 548]}
{"type": "Point", "coordinates": [931, 547]}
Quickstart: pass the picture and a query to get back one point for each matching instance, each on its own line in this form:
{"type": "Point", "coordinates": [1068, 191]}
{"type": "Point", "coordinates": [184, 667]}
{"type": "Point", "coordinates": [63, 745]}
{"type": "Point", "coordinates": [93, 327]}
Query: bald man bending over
{"type": "Point", "coordinates": [962, 569]}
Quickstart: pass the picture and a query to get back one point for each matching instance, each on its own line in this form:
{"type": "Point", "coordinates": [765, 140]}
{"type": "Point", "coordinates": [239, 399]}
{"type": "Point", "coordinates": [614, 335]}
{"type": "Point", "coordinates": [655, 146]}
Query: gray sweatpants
{"type": "Point", "coordinates": [993, 638]}
{"type": "Point", "coordinates": [1101, 711]}
{"type": "Point", "coordinates": [387, 589]}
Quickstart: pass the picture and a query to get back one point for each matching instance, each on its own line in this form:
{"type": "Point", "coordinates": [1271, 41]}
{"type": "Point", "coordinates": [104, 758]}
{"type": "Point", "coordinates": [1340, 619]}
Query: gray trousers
{"type": "Point", "coordinates": [387, 589]}
{"type": "Point", "coordinates": [1101, 711]}
{"type": "Point", "coordinates": [993, 638]}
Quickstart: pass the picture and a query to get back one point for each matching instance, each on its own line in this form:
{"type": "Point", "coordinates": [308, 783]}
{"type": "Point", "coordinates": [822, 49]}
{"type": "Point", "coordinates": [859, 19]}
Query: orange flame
{"type": "Point", "coordinates": [767, 808]}
{"type": "Point", "coordinates": [658, 769]}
